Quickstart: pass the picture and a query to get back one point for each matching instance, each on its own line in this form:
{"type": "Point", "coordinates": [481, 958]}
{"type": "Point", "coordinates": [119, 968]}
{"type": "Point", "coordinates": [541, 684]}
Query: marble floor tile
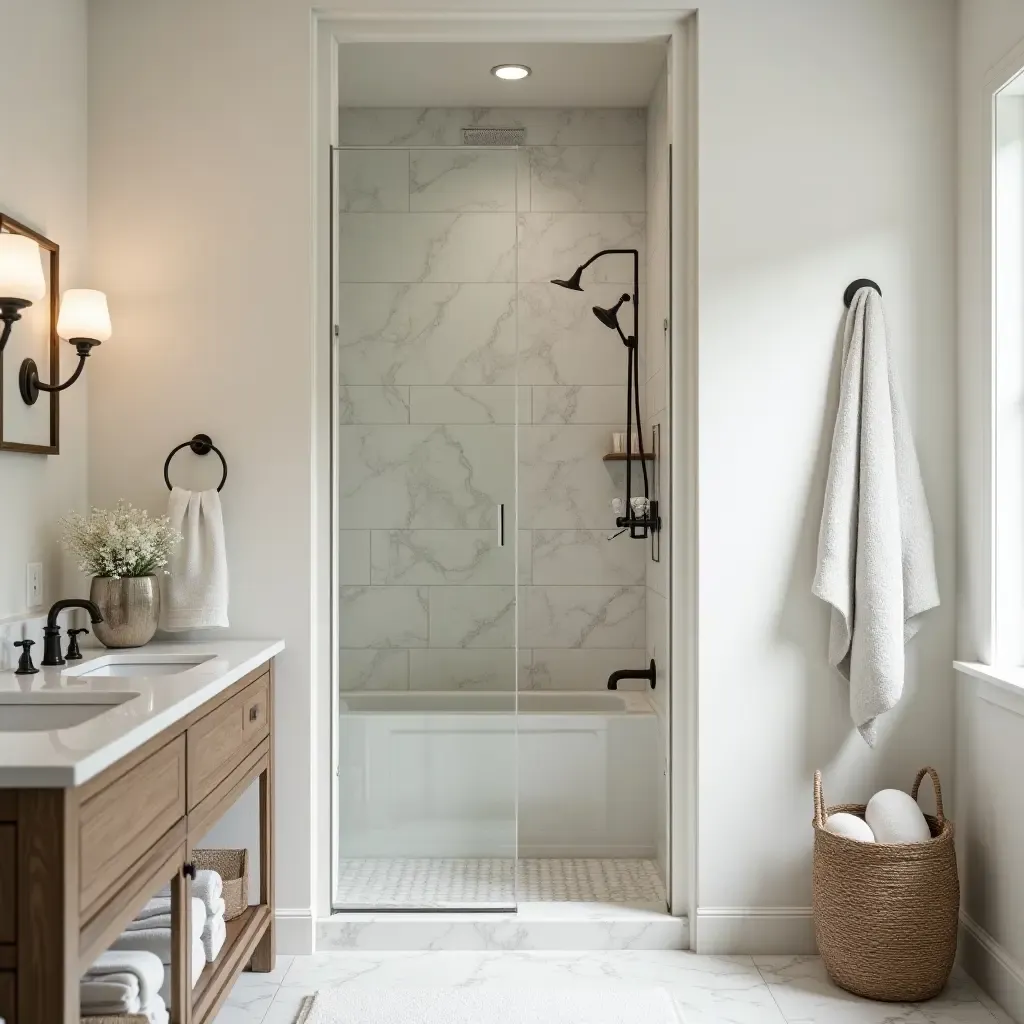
{"type": "Point", "coordinates": [706, 989]}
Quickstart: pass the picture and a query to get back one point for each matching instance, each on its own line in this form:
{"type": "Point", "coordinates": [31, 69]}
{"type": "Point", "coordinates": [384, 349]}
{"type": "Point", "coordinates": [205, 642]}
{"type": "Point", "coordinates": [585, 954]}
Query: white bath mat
{"type": "Point", "coordinates": [351, 1005]}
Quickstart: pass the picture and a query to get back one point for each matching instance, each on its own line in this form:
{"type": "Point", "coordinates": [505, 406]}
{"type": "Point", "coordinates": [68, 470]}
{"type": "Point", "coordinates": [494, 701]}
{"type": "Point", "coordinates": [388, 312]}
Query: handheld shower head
{"type": "Point", "coordinates": [573, 284]}
{"type": "Point", "coordinates": [610, 317]}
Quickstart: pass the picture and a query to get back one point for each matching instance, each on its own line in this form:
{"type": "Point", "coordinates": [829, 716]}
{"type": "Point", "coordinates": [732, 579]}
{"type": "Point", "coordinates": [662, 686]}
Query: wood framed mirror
{"type": "Point", "coordinates": [33, 429]}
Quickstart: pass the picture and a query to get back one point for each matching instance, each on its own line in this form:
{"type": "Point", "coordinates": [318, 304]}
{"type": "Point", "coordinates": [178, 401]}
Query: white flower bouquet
{"type": "Point", "coordinates": [119, 542]}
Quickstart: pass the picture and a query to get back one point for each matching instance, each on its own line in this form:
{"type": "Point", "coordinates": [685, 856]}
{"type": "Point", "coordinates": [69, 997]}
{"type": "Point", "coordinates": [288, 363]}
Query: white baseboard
{"type": "Point", "coordinates": [992, 967]}
{"type": "Point", "coordinates": [294, 930]}
{"type": "Point", "coordinates": [768, 930]}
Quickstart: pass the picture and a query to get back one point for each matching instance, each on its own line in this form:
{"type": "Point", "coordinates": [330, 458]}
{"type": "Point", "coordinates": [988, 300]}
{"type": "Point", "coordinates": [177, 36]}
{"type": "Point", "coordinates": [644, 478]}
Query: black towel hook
{"type": "Point", "coordinates": [855, 286]}
{"type": "Point", "coordinates": [200, 445]}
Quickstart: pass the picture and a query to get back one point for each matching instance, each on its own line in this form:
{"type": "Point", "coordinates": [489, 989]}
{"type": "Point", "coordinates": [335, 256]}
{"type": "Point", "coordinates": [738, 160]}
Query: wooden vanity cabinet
{"type": "Point", "coordinates": [76, 865]}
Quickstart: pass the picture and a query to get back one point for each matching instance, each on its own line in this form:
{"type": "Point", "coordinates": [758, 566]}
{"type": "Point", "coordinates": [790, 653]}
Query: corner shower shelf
{"type": "Point", "coordinates": [633, 457]}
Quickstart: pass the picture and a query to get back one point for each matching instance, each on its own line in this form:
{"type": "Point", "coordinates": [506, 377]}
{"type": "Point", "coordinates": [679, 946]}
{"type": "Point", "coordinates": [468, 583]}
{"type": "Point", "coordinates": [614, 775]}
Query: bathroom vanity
{"type": "Point", "coordinates": [111, 769]}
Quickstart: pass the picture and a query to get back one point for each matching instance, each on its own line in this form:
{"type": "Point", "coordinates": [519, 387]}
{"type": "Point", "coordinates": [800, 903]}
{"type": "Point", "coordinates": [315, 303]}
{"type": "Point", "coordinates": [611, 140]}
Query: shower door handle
{"type": "Point", "coordinates": [501, 525]}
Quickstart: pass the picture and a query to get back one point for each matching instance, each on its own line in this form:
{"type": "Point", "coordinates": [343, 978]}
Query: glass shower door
{"type": "Point", "coordinates": [426, 411]}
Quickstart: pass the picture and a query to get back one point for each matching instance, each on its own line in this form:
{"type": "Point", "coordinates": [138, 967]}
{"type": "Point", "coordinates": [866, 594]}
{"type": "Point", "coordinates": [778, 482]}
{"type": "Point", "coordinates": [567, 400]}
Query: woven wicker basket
{"type": "Point", "coordinates": [885, 914]}
{"type": "Point", "coordinates": [233, 868]}
{"type": "Point", "coordinates": [122, 1018]}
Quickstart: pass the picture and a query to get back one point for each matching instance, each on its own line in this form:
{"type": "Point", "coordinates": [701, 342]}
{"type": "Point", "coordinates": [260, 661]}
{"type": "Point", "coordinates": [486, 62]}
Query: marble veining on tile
{"type": "Point", "coordinates": [573, 179]}
{"type": "Point", "coordinates": [372, 181]}
{"type": "Point", "coordinates": [554, 244]}
{"type": "Point", "coordinates": [463, 180]}
{"type": "Point", "coordinates": [472, 616]}
{"type": "Point", "coordinates": [373, 669]}
{"type": "Point", "coordinates": [587, 557]}
{"type": "Point", "coordinates": [440, 557]}
{"type": "Point", "coordinates": [584, 617]}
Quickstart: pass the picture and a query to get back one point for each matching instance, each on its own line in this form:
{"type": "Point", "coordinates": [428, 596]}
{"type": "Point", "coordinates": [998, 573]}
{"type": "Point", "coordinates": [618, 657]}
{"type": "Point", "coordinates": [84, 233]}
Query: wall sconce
{"type": "Point", "coordinates": [85, 322]}
{"type": "Point", "coordinates": [21, 279]}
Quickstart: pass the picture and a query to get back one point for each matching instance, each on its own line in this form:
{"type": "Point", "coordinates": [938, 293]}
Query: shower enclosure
{"type": "Point", "coordinates": [480, 603]}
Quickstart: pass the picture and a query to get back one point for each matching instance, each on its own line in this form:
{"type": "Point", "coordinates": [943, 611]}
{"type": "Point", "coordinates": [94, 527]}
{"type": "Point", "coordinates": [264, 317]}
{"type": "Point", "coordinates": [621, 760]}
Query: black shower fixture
{"type": "Point", "coordinates": [642, 526]}
{"type": "Point", "coordinates": [610, 317]}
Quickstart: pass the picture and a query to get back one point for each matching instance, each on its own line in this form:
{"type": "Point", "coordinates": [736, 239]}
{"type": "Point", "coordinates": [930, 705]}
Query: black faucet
{"type": "Point", "coordinates": [650, 674]}
{"type": "Point", "coordinates": [51, 633]}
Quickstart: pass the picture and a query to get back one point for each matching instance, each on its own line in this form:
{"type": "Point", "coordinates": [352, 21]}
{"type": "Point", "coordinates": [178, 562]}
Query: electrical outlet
{"type": "Point", "coordinates": [34, 585]}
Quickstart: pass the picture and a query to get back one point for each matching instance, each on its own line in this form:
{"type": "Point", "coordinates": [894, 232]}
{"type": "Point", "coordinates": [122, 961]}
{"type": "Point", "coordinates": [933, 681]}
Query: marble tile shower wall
{"type": "Point", "coordinates": [449, 334]}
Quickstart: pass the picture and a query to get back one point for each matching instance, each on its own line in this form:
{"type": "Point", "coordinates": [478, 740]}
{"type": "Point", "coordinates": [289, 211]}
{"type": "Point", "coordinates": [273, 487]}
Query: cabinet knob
{"type": "Point", "coordinates": [254, 712]}
{"type": "Point", "coordinates": [189, 871]}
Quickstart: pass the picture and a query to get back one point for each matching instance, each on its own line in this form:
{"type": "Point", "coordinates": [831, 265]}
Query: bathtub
{"type": "Point", "coordinates": [443, 774]}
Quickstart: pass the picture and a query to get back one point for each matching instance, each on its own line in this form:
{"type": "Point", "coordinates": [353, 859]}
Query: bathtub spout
{"type": "Point", "coordinates": [650, 674]}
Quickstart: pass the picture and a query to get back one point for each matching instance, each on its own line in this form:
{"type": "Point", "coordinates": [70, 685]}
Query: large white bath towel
{"type": "Point", "coordinates": [876, 558]}
{"type": "Point", "coordinates": [154, 935]}
{"type": "Point", "coordinates": [195, 593]}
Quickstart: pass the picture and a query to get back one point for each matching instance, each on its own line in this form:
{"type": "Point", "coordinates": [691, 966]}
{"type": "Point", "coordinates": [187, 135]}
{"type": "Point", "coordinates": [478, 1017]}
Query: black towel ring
{"type": "Point", "coordinates": [855, 286]}
{"type": "Point", "coordinates": [200, 445]}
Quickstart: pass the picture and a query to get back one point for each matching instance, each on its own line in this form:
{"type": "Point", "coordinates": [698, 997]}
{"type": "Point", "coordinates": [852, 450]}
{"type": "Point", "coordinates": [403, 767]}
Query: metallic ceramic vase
{"type": "Point", "coordinates": [130, 608]}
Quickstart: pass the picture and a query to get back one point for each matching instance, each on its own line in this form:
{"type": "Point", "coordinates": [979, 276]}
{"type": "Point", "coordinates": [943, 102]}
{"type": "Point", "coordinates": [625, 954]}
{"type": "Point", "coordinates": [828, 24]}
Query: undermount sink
{"type": "Point", "coordinates": [138, 664]}
{"type": "Point", "coordinates": [44, 711]}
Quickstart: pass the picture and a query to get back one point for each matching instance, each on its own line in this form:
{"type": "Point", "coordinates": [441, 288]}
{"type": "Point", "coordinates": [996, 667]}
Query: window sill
{"type": "Point", "coordinates": [1000, 685]}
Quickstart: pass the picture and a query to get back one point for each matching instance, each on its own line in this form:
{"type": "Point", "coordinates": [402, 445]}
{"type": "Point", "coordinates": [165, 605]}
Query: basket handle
{"type": "Point", "coordinates": [819, 802]}
{"type": "Point", "coordinates": [940, 816]}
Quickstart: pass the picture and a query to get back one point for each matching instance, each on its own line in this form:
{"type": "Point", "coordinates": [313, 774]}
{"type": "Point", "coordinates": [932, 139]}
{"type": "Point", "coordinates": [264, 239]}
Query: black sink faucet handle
{"type": "Point", "coordinates": [25, 666]}
{"type": "Point", "coordinates": [74, 654]}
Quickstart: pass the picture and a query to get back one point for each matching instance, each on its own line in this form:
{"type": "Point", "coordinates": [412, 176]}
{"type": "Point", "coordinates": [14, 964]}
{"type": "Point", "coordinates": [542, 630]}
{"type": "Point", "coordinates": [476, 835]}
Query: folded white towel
{"type": "Point", "coordinates": [195, 593]}
{"type": "Point", "coordinates": [198, 963]}
{"type": "Point", "coordinates": [207, 886]}
{"type": "Point", "coordinates": [156, 1011]}
{"type": "Point", "coordinates": [154, 908]}
{"type": "Point", "coordinates": [876, 553]}
{"type": "Point", "coordinates": [155, 934]}
{"type": "Point", "coordinates": [114, 993]}
{"type": "Point", "coordinates": [214, 935]}
{"type": "Point", "coordinates": [147, 969]}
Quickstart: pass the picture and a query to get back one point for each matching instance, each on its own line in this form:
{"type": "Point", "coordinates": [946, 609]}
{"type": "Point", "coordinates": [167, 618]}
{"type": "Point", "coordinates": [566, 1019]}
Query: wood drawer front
{"type": "Point", "coordinates": [8, 884]}
{"type": "Point", "coordinates": [218, 742]}
{"type": "Point", "coordinates": [118, 825]}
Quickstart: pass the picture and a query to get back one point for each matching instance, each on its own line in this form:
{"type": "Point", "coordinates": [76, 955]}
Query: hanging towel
{"type": "Point", "coordinates": [876, 557]}
{"type": "Point", "coordinates": [195, 593]}
{"type": "Point", "coordinates": [146, 968]}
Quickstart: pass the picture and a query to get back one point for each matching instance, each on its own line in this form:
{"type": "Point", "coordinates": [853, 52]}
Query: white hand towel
{"type": "Point", "coordinates": [156, 1011]}
{"type": "Point", "coordinates": [195, 594]}
{"type": "Point", "coordinates": [214, 935]}
{"type": "Point", "coordinates": [156, 907]}
{"type": "Point", "coordinates": [876, 558]}
{"type": "Point", "coordinates": [113, 993]}
{"type": "Point", "coordinates": [145, 967]}
{"type": "Point", "coordinates": [155, 937]}
{"type": "Point", "coordinates": [198, 963]}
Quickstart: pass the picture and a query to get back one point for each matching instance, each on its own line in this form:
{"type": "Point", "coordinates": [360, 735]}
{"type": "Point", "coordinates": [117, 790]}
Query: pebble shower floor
{"type": "Point", "coordinates": [445, 882]}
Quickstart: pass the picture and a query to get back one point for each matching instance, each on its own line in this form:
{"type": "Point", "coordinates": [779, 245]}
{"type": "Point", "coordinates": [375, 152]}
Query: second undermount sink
{"type": "Point", "coordinates": [40, 711]}
{"type": "Point", "coordinates": [138, 664]}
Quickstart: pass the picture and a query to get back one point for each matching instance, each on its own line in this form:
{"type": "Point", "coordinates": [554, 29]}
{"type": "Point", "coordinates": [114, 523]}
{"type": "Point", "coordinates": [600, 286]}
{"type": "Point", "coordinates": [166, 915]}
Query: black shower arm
{"type": "Point", "coordinates": [635, 253]}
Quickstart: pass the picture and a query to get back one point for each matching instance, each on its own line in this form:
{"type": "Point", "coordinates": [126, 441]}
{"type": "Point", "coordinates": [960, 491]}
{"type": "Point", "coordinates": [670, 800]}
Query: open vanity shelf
{"type": "Point", "coordinates": [78, 863]}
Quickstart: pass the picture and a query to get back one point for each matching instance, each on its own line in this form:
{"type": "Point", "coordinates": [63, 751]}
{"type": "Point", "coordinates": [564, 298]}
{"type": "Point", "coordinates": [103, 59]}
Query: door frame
{"type": "Point", "coordinates": [679, 29]}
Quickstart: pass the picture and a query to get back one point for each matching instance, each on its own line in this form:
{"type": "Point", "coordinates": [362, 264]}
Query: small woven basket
{"type": "Point", "coordinates": [118, 1018]}
{"type": "Point", "coordinates": [233, 868]}
{"type": "Point", "coordinates": [886, 914]}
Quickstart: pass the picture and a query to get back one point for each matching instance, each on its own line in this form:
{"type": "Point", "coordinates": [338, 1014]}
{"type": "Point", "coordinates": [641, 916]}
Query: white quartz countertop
{"type": "Point", "coordinates": [65, 757]}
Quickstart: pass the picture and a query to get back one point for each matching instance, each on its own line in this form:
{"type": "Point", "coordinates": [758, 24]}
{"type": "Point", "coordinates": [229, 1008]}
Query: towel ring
{"type": "Point", "coordinates": [200, 445]}
{"type": "Point", "coordinates": [855, 286]}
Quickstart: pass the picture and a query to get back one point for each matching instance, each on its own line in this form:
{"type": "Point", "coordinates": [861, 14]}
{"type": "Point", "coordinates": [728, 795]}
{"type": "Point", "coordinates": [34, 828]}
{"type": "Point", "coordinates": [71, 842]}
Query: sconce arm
{"type": "Point", "coordinates": [28, 378]}
{"type": "Point", "coordinates": [10, 314]}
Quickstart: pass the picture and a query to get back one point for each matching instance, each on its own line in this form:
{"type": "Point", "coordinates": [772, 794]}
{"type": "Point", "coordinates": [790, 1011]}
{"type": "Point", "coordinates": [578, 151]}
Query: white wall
{"type": "Point", "coordinates": [43, 184]}
{"type": "Point", "coordinates": [989, 737]}
{"type": "Point", "coordinates": [825, 153]}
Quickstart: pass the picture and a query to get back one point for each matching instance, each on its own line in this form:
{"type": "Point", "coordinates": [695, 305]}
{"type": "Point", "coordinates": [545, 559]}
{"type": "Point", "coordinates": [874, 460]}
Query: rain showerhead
{"type": "Point", "coordinates": [610, 317]}
{"type": "Point", "coordinates": [573, 284]}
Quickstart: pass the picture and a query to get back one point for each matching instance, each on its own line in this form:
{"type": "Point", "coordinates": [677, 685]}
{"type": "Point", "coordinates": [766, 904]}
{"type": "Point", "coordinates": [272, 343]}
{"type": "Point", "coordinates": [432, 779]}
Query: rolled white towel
{"type": "Point", "coordinates": [207, 886]}
{"type": "Point", "coordinates": [155, 937]}
{"type": "Point", "coordinates": [894, 817]}
{"type": "Point", "coordinates": [145, 967]}
{"type": "Point", "coordinates": [849, 825]}
{"type": "Point", "coordinates": [214, 935]}
{"type": "Point", "coordinates": [198, 963]}
{"type": "Point", "coordinates": [113, 993]}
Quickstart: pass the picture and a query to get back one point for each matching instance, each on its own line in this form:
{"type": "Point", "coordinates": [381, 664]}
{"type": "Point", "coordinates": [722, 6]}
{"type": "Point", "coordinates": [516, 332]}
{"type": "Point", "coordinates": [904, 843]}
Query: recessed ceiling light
{"type": "Point", "coordinates": [510, 72]}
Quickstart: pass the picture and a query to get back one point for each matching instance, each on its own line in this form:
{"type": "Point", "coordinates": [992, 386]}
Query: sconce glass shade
{"type": "Point", "coordinates": [21, 268]}
{"type": "Point", "coordinates": [84, 314]}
